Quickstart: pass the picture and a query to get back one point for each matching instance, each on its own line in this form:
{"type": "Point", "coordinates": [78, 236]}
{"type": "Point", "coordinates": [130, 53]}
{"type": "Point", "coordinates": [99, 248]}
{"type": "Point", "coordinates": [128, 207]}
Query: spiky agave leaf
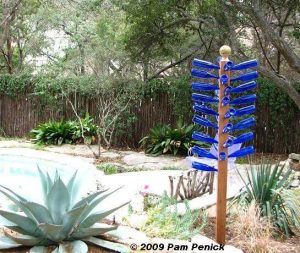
{"type": "Point", "coordinates": [73, 247]}
{"type": "Point", "coordinates": [95, 230]}
{"type": "Point", "coordinates": [117, 247]}
{"type": "Point", "coordinates": [7, 243]}
{"type": "Point", "coordinates": [58, 219]}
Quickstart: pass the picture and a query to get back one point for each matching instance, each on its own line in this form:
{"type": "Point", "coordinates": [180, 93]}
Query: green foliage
{"type": "Point", "coordinates": [110, 169]}
{"type": "Point", "coordinates": [85, 128]}
{"type": "Point", "coordinates": [267, 185]}
{"type": "Point", "coordinates": [164, 139]}
{"type": "Point", "coordinates": [64, 132]}
{"type": "Point", "coordinates": [55, 133]}
{"type": "Point", "coordinates": [166, 224]}
{"type": "Point", "coordinates": [63, 218]}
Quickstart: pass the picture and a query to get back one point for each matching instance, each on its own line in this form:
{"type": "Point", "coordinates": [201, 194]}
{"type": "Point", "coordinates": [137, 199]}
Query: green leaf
{"type": "Point", "coordinates": [73, 187]}
{"type": "Point", "coordinates": [7, 243]}
{"type": "Point", "coordinates": [96, 217]}
{"type": "Point", "coordinates": [52, 231]}
{"type": "Point", "coordinates": [26, 240]}
{"type": "Point", "coordinates": [73, 247]}
{"type": "Point", "coordinates": [72, 219]}
{"type": "Point", "coordinates": [17, 229]}
{"type": "Point", "coordinates": [89, 198]}
{"type": "Point", "coordinates": [117, 247]}
{"type": "Point", "coordinates": [95, 202]}
{"type": "Point", "coordinates": [22, 221]}
{"type": "Point", "coordinates": [94, 230]}
{"type": "Point", "coordinates": [58, 201]}
{"type": "Point", "coordinates": [44, 182]}
{"type": "Point", "coordinates": [38, 249]}
{"type": "Point", "coordinates": [40, 213]}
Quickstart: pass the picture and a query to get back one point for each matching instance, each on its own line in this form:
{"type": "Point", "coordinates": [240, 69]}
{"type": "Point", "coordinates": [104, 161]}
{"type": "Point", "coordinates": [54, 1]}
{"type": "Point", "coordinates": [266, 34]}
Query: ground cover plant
{"type": "Point", "coordinates": [167, 224]}
{"type": "Point", "coordinates": [62, 219]}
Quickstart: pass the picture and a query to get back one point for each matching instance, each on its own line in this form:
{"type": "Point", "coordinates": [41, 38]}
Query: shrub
{"type": "Point", "coordinates": [166, 224]}
{"type": "Point", "coordinates": [164, 139]}
{"type": "Point", "coordinates": [56, 133]}
{"type": "Point", "coordinates": [87, 128]}
{"type": "Point", "coordinates": [65, 132]}
{"type": "Point", "coordinates": [267, 185]}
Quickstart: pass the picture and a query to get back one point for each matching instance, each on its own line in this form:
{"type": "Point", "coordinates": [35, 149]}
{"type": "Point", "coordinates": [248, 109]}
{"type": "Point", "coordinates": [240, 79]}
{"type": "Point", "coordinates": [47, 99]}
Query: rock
{"type": "Point", "coordinates": [137, 221]}
{"type": "Point", "coordinates": [211, 211]}
{"type": "Point", "coordinates": [294, 161]}
{"type": "Point", "coordinates": [294, 165]}
{"type": "Point", "coordinates": [294, 156]}
{"type": "Point", "coordinates": [137, 203]}
{"type": "Point", "coordinates": [127, 235]}
{"type": "Point", "coordinates": [295, 183]}
{"type": "Point", "coordinates": [297, 175]}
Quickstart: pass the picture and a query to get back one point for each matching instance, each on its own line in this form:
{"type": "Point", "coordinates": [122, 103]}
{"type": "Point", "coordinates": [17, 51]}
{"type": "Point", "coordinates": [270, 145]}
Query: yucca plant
{"type": "Point", "coordinates": [62, 219]}
{"type": "Point", "coordinates": [267, 185]}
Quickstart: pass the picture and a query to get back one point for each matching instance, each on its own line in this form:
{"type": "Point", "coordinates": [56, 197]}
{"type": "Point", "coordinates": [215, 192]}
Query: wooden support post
{"type": "Point", "coordinates": [222, 165]}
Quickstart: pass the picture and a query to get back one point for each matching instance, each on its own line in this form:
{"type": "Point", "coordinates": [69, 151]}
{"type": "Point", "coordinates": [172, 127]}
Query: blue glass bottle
{"type": "Point", "coordinates": [202, 166]}
{"type": "Point", "coordinates": [225, 101]}
{"type": "Point", "coordinates": [203, 137]}
{"type": "Point", "coordinates": [247, 99]}
{"type": "Point", "coordinates": [245, 65]}
{"type": "Point", "coordinates": [245, 77]}
{"type": "Point", "coordinates": [204, 86]}
{"type": "Point", "coordinates": [249, 122]}
{"type": "Point", "coordinates": [240, 139]}
{"type": "Point", "coordinates": [243, 87]}
{"type": "Point", "coordinates": [222, 156]}
{"type": "Point", "coordinates": [204, 122]}
{"type": "Point", "coordinates": [228, 128]}
{"type": "Point", "coordinates": [224, 79]}
{"type": "Point", "coordinates": [230, 113]}
{"type": "Point", "coordinates": [204, 64]}
{"type": "Point", "coordinates": [204, 98]}
{"type": "Point", "coordinates": [203, 74]}
{"type": "Point", "coordinates": [243, 152]}
{"type": "Point", "coordinates": [245, 110]}
{"type": "Point", "coordinates": [228, 65]}
{"type": "Point", "coordinates": [203, 153]}
{"type": "Point", "coordinates": [205, 109]}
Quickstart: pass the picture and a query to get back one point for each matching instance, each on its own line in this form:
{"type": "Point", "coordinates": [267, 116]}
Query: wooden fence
{"type": "Point", "coordinates": [19, 114]}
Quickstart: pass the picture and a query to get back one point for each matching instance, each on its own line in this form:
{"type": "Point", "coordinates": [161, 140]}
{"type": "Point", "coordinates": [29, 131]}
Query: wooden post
{"type": "Point", "coordinates": [225, 51]}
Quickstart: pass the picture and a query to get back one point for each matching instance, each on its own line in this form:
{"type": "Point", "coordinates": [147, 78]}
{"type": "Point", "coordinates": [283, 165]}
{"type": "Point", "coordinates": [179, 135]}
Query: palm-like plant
{"type": "Point", "coordinates": [164, 139]}
{"type": "Point", "coordinates": [267, 185]}
{"type": "Point", "coordinates": [62, 219]}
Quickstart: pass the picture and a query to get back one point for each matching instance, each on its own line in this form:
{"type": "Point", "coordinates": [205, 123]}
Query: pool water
{"type": "Point", "coordinates": [20, 174]}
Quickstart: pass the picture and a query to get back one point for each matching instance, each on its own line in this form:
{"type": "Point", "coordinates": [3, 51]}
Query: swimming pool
{"type": "Point", "coordinates": [20, 173]}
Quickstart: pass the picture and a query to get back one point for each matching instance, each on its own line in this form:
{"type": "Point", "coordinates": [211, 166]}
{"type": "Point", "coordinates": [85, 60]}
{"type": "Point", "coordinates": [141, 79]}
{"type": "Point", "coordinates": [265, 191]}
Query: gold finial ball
{"type": "Point", "coordinates": [225, 51]}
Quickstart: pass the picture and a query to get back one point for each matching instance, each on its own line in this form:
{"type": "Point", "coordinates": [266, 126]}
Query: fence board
{"type": "Point", "coordinates": [19, 114]}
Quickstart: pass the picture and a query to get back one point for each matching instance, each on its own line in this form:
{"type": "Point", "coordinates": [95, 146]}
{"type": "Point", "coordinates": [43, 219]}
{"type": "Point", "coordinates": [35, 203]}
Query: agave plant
{"type": "Point", "coordinates": [267, 185]}
{"type": "Point", "coordinates": [62, 219]}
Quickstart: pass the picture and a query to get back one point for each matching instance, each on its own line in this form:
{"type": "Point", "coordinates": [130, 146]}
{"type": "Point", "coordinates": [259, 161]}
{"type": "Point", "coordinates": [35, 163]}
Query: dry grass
{"type": "Point", "coordinates": [251, 232]}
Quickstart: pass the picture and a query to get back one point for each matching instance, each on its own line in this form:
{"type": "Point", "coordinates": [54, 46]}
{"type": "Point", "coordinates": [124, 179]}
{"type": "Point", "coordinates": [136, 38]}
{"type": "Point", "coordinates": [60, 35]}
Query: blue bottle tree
{"type": "Point", "coordinates": [239, 105]}
{"type": "Point", "coordinates": [235, 98]}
